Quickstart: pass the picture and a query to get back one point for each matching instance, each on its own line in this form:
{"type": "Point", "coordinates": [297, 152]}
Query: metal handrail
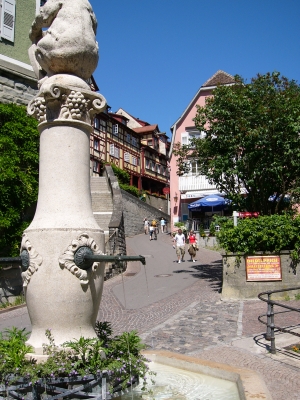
{"type": "Point", "coordinates": [270, 334]}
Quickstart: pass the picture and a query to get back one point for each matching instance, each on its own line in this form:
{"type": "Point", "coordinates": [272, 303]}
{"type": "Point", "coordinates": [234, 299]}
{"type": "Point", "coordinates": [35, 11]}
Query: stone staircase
{"type": "Point", "coordinates": [102, 204]}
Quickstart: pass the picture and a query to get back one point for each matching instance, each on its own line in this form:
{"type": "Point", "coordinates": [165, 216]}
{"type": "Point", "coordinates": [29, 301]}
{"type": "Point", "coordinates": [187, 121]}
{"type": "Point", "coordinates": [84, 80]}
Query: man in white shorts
{"type": "Point", "coordinates": [179, 244]}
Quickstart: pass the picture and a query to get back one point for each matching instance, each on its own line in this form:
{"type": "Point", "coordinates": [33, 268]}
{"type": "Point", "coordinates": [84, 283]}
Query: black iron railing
{"type": "Point", "coordinates": [101, 387]}
{"type": "Point", "coordinates": [270, 323]}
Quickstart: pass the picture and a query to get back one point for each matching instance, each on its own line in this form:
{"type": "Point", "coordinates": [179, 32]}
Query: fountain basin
{"type": "Point", "coordinates": [187, 378]}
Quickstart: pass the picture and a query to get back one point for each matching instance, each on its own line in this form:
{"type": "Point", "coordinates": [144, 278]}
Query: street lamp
{"type": "Point", "coordinates": [175, 198]}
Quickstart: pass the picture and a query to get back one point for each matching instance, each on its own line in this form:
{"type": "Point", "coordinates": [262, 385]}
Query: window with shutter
{"type": "Point", "coordinates": [7, 23]}
{"type": "Point", "coordinates": [134, 160]}
{"type": "Point", "coordinates": [117, 152]}
{"type": "Point", "coordinates": [126, 157]}
{"type": "Point", "coordinates": [111, 149]}
{"type": "Point", "coordinates": [184, 139]}
{"type": "Point", "coordinates": [116, 129]}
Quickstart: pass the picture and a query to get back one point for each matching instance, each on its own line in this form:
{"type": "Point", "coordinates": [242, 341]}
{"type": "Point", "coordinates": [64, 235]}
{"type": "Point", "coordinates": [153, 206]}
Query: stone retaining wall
{"type": "Point", "coordinates": [235, 285]}
{"type": "Point", "coordinates": [135, 211]}
{"type": "Point", "coordinates": [11, 284]}
{"type": "Point", "coordinates": [16, 89]}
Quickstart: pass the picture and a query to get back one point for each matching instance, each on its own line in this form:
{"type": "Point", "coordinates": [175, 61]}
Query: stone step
{"type": "Point", "coordinates": [98, 184]}
{"type": "Point", "coordinates": [101, 202]}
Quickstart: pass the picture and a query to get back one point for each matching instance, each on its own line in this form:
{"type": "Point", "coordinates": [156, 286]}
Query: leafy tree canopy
{"type": "Point", "coordinates": [19, 149]}
{"type": "Point", "coordinates": [251, 142]}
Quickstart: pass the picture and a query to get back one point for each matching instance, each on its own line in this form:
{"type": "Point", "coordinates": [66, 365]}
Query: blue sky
{"type": "Point", "coordinates": [155, 54]}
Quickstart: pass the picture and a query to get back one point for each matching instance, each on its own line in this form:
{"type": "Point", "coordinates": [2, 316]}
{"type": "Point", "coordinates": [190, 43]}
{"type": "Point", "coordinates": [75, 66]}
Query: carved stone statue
{"type": "Point", "coordinates": [69, 45]}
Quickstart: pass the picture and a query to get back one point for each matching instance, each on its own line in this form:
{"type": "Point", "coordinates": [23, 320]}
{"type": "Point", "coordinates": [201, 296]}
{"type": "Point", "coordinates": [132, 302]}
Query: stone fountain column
{"type": "Point", "coordinates": [61, 296]}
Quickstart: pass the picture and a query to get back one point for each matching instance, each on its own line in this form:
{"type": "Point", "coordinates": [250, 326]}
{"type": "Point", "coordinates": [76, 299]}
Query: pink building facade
{"type": "Point", "coordinates": [191, 186]}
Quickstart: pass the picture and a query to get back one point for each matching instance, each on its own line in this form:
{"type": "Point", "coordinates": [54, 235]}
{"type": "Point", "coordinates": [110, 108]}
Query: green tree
{"type": "Point", "coordinates": [252, 142]}
{"type": "Point", "coordinates": [19, 149]}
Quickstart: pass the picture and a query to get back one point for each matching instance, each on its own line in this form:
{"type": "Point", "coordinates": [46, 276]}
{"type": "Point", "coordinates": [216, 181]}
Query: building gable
{"type": "Point", "coordinates": [219, 78]}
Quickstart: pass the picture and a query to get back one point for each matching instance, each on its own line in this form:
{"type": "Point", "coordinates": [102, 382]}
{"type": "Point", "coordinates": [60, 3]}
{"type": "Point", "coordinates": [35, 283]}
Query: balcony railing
{"type": "Point", "coordinates": [194, 182]}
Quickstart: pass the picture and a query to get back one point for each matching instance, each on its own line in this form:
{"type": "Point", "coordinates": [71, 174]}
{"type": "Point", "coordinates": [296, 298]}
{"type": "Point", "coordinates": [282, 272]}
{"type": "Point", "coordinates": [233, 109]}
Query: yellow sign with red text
{"type": "Point", "coordinates": [263, 268]}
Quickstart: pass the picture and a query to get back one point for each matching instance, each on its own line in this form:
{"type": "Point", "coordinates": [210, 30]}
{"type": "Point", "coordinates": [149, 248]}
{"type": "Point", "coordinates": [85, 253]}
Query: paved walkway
{"type": "Point", "coordinates": [178, 307]}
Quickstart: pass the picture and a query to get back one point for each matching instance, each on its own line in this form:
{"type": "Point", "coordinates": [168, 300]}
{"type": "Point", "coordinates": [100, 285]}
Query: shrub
{"type": "Point", "coordinates": [201, 231]}
{"type": "Point", "coordinates": [266, 233]}
{"type": "Point", "coordinates": [122, 176]}
{"type": "Point", "coordinates": [130, 189]}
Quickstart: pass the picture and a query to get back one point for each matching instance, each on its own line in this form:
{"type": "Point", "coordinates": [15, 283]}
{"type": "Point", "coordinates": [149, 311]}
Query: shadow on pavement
{"type": "Point", "coordinates": [213, 273]}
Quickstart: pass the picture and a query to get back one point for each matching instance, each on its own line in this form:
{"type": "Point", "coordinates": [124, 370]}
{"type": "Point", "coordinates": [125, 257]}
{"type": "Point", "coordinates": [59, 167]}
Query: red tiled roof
{"type": "Point", "coordinates": [146, 129]}
{"type": "Point", "coordinates": [137, 119]}
{"type": "Point", "coordinates": [219, 78]}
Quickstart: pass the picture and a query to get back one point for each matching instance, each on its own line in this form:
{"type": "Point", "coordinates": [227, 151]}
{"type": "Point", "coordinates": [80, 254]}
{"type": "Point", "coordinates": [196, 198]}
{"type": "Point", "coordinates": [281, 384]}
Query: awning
{"type": "Point", "coordinates": [199, 193]}
{"type": "Point", "coordinates": [209, 203]}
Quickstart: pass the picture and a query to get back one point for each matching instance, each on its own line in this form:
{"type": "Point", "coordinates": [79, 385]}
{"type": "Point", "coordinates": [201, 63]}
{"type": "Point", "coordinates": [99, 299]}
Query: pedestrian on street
{"type": "Point", "coordinates": [152, 231]}
{"type": "Point", "coordinates": [179, 243]}
{"type": "Point", "coordinates": [146, 226]}
{"type": "Point", "coordinates": [193, 246]}
{"type": "Point", "coordinates": [154, 224]}
{"type": "Point", "coordinates": [162, 224]}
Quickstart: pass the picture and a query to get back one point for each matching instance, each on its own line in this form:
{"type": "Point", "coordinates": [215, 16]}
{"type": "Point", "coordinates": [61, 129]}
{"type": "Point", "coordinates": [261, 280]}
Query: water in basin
{"type": "Point", "coordinates": [178, 384]}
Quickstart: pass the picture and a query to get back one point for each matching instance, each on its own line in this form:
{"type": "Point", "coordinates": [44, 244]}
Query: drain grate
{"type": "Point", "coordinates": [163, 276]}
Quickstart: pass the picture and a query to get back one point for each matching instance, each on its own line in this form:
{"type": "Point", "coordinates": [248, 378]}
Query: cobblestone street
{"type": "Point", "coordinates": [180, 310]}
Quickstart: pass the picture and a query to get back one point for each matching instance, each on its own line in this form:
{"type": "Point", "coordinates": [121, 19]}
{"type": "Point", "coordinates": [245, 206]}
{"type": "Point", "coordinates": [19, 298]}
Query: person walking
{"type": "Point", "coordinates": [179, 244]}
{"type": "Point", "coordinates": [192, 245]}
{"type": "Point", "coordinates": [155, 231]}
{"type": "Point", "coordinates": [162, 224]}
{"type": "Point", "coordinates": [146, 226]}
{"type": "Point", "coordinates": [151, 231]}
